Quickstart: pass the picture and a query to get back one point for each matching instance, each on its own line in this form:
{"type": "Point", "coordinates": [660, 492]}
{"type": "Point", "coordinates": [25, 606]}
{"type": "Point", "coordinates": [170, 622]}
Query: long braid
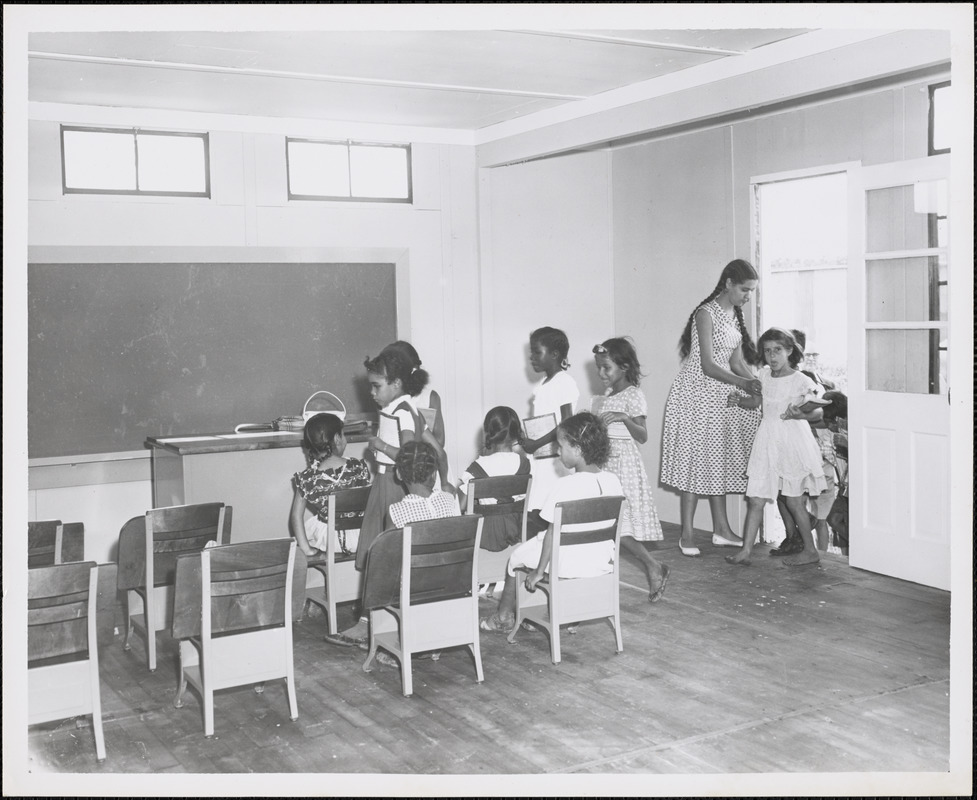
{"type": "Point", "coordinates": [685, 341]}
{"type": "Point", "coordinates": [750, 355]}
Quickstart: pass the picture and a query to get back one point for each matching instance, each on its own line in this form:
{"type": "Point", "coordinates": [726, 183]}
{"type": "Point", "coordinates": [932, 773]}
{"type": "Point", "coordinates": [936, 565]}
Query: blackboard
{"type": "Point", "coordinates": [120, 352]}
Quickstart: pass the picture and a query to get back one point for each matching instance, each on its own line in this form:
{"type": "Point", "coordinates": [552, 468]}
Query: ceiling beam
{"type": "Point", "coordinates": [593, 37]}
{"type": "Point", "coordinates": [308, 76]}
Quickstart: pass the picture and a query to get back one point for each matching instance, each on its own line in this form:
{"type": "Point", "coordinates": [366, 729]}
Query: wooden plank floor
{"type": "Point", "coordinates": [736, 671]}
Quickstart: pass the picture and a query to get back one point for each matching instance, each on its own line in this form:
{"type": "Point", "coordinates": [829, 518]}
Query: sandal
{"type": "Point", "coordinates": [386, 659]}
{"type": "Point", "coordinates": [656, 595]}
{"type": "Point", "coordinates": [496, 624]}
{"type": "Point", "coordinates": [343, 640]}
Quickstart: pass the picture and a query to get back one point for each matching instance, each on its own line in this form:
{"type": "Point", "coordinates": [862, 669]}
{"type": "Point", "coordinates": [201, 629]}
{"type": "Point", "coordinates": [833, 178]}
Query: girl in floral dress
{"type": "Point", "coordinates": [623, 409]}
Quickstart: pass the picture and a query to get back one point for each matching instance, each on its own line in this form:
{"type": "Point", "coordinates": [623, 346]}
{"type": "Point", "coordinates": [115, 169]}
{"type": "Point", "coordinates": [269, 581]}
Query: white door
{"type": "Point", "coordinates": [899, 413]}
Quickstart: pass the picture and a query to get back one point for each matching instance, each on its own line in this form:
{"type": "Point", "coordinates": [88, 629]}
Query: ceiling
{"type": "Point", "coordinates": [458, 79]}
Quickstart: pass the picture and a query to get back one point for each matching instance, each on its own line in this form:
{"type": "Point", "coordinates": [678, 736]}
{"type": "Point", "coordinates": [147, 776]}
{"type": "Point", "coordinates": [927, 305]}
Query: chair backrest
{"type": "Point", "coordinates": [439, 562]}
{"type": "Point", "coordinates": [346, 508]}
{"type": "Point", "coordinates": [44, 541]}
{"type": "Point", "coordinates": [61, 610]}
{"type": "Point", "coordinates": [502, 488]}
{"type": "Point", "coordinates": [163, 535]}
{"type": "Point", "coordinates": [594, 519]}
{"type": "Point", "coordinates": [344, 512]}
{"type": "Point", "coordinates": [246, 586]}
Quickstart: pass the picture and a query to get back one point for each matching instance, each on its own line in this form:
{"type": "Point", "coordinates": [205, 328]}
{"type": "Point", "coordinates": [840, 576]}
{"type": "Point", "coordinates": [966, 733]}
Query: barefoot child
{"type": "Point", "coordinates": [583, 448]}
{"type": "Point", "coordinates": [623, 409]}
{"type": "Point", "coordinates": [785, 457]}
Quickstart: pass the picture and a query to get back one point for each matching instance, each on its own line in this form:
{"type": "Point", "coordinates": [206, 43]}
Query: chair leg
{"type": "Point", "coordinates": [616, 622]}
{"type": "Point", "coordinates": [476, 652]}
{"type": "Point", "coordinates": [208, 697]}
{"type": "Point", "coordinates": [330, 609]}
{"type": "Point", "coordinates": [181, 689]}
{"type": "Point", "coordinates": [368, 664]}
{"type": "Point", "coordinates": [149, 607]}
{"type": "Point", "coordinates": [128, 611]}
{"type": "Point", "coordinates": [293, 706]}
{"type": "Point", "coordinates": [555, 643]}
{"type": "Point", "coordinates": [97, 718]}
{"type": "Point", "coordinates": [405, 670]}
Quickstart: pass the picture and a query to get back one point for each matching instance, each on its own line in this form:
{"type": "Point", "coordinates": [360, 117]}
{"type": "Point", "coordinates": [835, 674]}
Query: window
{"type": "Point", "coordinates": [939, 122]}
{"type": "Point", "coordinates": [348, 171]}
{"type": "Point", "coordinates": [134, 161]}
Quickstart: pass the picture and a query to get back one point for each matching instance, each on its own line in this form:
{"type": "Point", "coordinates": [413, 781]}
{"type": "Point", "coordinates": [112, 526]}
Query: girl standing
{"type": "Point", "coordinates": [556, 394]}
{"type": "Point", "coordinates": [426, 397]}
{"type": "Point", "coordinates": [623, 408]}
{"type": "Point", "coordinates": [500, 437]}
{"type": "Point", "coordinates": [706, 443]}
{"type": "Point", "coordinates": [583, 448]}
{"type": "Point", "coordinates": [785, 457]}
{"type": "Point", "coordinates": [392, 382]}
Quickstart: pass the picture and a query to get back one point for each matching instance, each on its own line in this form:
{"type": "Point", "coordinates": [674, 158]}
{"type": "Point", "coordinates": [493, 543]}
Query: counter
{"type": "Point", "coordinates": [252, 472]}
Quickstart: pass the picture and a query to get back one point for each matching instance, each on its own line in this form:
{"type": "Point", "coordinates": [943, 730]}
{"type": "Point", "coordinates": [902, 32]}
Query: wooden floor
{"type": "Point", "coordinates": [759, 669]}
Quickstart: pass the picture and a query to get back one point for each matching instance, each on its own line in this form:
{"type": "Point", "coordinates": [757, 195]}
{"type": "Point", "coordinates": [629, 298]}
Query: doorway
{"type": "Point", "coordinates": [800, 235]}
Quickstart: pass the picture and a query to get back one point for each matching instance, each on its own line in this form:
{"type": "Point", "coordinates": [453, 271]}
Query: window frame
{"type": "Point", "coordinates": [931, 122]}
{"type": "Point", "coordinates": [348, 143]}
{"type": "Point", "coordinates": [135, 131]}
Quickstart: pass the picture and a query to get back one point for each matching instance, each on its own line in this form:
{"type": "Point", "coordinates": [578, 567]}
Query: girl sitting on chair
{"type": "Point", "coordinates": [583, 447]}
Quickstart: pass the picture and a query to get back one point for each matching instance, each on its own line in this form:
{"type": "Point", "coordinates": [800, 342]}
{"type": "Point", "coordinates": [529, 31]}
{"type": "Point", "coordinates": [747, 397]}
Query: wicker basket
{"type": "Point", "coordinates": [323, 403]}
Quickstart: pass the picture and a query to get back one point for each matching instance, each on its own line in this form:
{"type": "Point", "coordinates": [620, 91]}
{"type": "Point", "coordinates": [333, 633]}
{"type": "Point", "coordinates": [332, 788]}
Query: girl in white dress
{"type": "Point", "coordinates": [556, 394]}
{"type": "Point", "coordinates": [785, 457]}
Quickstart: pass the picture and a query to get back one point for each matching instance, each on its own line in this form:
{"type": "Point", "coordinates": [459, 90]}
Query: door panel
{"type": "Point", "coordinates": [899, 444]}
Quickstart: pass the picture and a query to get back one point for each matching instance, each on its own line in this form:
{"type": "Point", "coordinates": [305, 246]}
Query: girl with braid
{"type": "Point", "coordinates": [706, 442]}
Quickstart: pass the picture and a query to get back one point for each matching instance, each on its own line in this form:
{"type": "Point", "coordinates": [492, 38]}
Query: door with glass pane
{"type": "Point", "coordinates": [899, 414]}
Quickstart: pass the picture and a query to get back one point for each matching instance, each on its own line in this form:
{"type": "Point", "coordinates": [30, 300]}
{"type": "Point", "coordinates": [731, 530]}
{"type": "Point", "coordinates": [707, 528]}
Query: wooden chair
{"type": "Point", "coordinates": [148, 549]}
{"type": "Point", "coordinates": [62, 650]}
{"type": "Point", "coordinates": [341, 580]}
{"type": "Point", "coordinates": [492, 564]}
{"type": "Point", "coordinates": [559, 601]}
{"type": "Point", "coordinates": [233, 619]}
{"type": "Point", "coordinates": [50, 542]}
{"type": "Point", "coordinates": [421, 591]}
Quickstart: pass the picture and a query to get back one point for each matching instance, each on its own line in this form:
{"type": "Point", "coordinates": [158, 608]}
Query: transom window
{"type": "Point", "coordinates": [134, 161]}
{"type": "Point", "coordinates": [320, 170]}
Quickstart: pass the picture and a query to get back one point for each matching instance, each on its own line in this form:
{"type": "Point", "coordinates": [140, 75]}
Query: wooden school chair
{"type": "Point", "coordinates": [232, 617]}
{"type": "Point", "coordinates": [49, 542]}
{"type": "Point", "coordinates": [341, 580]}
{"type": "Point", "coordinates": [148, 549]}
{"type": "Point", "coordinates": [421, 591]}
{"type": "Point", "coordinates": [559, 601]}
{"type": "Point", "coordinates": [62, 650]}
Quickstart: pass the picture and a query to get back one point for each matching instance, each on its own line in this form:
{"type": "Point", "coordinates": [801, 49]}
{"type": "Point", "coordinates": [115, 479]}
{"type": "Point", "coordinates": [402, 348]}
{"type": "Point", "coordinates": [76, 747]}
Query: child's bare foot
{"type": "Point", "coordinates": [802, 558]}
{"type": "Point", "coordinates": [742, 558]}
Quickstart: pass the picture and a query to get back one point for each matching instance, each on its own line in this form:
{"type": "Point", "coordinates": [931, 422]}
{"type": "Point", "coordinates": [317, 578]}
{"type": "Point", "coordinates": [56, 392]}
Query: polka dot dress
{"type": "Point", "coordinates": [706, 444]}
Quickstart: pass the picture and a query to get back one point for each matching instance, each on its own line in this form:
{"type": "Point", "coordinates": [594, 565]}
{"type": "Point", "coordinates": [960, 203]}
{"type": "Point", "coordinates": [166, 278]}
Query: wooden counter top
{"type": "Point", "coordinates": [235, 442]}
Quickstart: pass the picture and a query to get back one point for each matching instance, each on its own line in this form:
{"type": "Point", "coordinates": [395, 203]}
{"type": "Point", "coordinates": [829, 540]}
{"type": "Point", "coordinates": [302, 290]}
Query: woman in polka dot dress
{"type": "Point", "coordinates": [706, 443]}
